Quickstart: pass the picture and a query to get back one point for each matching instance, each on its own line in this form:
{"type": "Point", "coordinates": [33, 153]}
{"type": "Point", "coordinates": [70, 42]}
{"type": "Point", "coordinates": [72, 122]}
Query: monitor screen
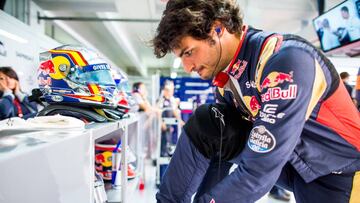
{"type": "Point", "coordinates": [339, 26]}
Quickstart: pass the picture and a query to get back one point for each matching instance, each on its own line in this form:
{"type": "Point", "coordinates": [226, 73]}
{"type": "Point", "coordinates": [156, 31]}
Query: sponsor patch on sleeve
{"type": "Point", "coordinates": [269, 113]}
{"type": "Point", "coordinates": [261, 140]}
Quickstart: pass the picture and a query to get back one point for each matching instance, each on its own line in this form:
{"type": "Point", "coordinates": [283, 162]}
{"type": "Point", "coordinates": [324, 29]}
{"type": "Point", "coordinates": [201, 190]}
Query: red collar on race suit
{"type": "Point", "coordinates": [222, 77]}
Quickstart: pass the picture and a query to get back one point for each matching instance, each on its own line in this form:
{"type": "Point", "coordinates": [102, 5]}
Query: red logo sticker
{"type": "Point", "coordinates": [276, 78]}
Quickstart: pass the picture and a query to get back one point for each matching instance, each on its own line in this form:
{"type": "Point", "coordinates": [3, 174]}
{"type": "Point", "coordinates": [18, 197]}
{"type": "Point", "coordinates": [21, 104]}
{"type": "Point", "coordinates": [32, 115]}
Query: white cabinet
{"type": "Point", "coordinates": [125, 128]}
{"type": "Point", "coordinates": [57, 166]}
{"type": "Point", "coordinates": [47, 166]}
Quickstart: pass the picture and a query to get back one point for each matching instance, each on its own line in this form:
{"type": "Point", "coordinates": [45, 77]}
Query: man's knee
{"type": "Point", "coordinates": [213, 125]}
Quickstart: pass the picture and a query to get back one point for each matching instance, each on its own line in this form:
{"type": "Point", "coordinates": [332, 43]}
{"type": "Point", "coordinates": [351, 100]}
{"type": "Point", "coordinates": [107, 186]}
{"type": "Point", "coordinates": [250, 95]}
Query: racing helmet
{"type": "Point", "coordinates": [122, 83]}
{"type": "Point", "coordinates": [77, 76]}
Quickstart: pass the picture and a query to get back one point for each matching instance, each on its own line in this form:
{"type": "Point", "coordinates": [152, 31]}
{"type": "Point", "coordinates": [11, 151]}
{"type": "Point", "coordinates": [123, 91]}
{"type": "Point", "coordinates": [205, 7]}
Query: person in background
{"type": "Point", "coordinates": [345, 79]}
{"type": "Point", "coordinates": [152, 113]}
{"type": "Point", "coordinates": [168, 102]}
{"type": "Point", "coordinates": [14, 102]}
{"type": "Point", "coordinates": [329, 39]}
{"type": "Point", "coordinates": [169, 105]}
{"type": "Point", "coordinates": [140, 94]}
{"type": "Point", "coordinates": [351, 24]}
{"type": "Point", "coordinates": [320, 29]}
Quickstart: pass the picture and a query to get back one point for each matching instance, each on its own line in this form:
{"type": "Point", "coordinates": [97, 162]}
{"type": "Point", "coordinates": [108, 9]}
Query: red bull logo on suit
{"type": "Point", "coordinates": [277, 93]}
{"type": "Point", "coordinates": [276, 78]}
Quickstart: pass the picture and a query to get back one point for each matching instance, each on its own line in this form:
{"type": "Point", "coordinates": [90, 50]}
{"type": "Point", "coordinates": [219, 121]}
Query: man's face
{"type": "Point", "coordinates": [345, 14]}
{"type": "Point", "coordinates": [142, 90]}
{"type": "Point", "coordinates": [168, 92]}
{"type": "Point", "coordinates": [319, 24]}
{"type": "Point", "coordinates": [200, 56]}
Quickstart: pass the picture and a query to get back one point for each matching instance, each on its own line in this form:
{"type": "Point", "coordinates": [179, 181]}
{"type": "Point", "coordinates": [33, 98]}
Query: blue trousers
{"type": "Point", "coordinates": [189, 172]}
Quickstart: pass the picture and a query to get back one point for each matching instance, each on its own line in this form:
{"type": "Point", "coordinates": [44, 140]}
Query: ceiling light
{"type": "Point", "coordinates": [177, 63]}
{"type": "Point", "coordinates": [12, 36]}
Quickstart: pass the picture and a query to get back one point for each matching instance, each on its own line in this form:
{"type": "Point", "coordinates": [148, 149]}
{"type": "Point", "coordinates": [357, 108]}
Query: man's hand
{"type": "Point", "coordinates": [163, 126]}
{"type": "Point", "coordinates": [205, 198]}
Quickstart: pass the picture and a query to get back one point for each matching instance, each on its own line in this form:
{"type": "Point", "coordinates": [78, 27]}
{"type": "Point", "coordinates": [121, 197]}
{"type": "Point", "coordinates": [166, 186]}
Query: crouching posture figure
{"type": "Point", "coordinates": [214, 135]}
{"type": "Point", "coordinates": [213, 141]}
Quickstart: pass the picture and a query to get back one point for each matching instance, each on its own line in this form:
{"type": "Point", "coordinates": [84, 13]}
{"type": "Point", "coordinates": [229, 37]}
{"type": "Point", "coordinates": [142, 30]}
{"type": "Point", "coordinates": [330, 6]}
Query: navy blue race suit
{"type": "Point", "coordinates": [306, 129]}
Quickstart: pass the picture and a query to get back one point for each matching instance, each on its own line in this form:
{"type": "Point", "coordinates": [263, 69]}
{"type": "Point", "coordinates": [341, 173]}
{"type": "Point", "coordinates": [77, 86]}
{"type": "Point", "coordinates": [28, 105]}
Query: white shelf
{"type": "Point", "coordinates": [114, 194]}
{"type": "Point", "coordinates": [59, 163]}
{"type": "Point", "coordinates": [101, 129]}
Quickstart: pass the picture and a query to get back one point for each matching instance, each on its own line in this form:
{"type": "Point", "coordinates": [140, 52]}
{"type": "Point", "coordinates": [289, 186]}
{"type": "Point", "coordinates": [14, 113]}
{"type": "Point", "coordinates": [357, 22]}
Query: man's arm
{"type": "Point", "coordinates": [291, 86]}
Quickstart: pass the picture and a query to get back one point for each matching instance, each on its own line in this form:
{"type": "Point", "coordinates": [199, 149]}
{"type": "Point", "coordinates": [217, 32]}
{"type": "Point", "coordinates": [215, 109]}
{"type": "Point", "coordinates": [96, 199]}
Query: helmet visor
{"type": "Point", "coordinates": [96, 74]}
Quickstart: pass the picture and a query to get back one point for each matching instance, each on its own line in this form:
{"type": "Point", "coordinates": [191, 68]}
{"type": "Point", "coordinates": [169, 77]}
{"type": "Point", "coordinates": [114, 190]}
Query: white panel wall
{"type": "Point", "coordinates": [20, 47]}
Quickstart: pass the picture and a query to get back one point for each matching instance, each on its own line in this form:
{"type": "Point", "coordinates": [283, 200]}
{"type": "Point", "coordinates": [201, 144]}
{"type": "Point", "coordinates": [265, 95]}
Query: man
{"type": "Point", "coordinates": [320, 29]}
{"type": "Point", "coordinates": [305, 130]}
{"type": "Point", "coordinates": [197, 163]}
{"type": "Point", "coordinates": [329, 40]}
{"type": "Point", "coordinates": [169, 106]}
{"type": "Point", "coordinates": [344, 76]}
{"type": "Point", "coordinates": [351, 24]}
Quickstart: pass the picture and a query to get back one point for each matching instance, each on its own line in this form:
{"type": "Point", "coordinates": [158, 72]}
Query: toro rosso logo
{"type": "Point", "coordinates": [276, 78]}
{"type": "Point", "coordinates": [238, 68]}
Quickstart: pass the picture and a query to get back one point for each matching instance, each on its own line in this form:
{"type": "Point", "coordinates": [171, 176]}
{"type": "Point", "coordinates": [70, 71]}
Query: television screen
{"type": "Point", "coordinates": [339, 26]}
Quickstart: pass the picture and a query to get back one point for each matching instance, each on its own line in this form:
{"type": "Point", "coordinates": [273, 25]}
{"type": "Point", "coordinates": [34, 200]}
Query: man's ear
{"type": "Point", "coordinates": [218, 28]}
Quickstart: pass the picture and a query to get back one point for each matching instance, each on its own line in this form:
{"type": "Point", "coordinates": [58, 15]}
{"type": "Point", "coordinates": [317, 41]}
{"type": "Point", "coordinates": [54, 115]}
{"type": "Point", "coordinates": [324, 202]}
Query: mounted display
{"type": "Point", "coordinates": [339, 28]}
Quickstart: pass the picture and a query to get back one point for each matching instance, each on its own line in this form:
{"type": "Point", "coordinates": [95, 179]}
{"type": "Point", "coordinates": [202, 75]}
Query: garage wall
{"type": "Point", "coordinates": [20, 46]}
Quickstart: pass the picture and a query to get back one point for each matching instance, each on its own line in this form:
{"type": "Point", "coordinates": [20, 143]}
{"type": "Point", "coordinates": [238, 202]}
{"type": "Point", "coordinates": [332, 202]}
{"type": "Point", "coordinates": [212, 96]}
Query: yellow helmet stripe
{"type": "Point", "coordinates": [95, 94]}
{"type": "Point", "coordinates": [76, 57]}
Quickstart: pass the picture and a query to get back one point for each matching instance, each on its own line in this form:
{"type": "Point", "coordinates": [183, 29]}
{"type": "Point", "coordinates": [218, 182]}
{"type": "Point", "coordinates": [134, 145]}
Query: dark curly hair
{"type": "Point", "coordinates": [194, 18]}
